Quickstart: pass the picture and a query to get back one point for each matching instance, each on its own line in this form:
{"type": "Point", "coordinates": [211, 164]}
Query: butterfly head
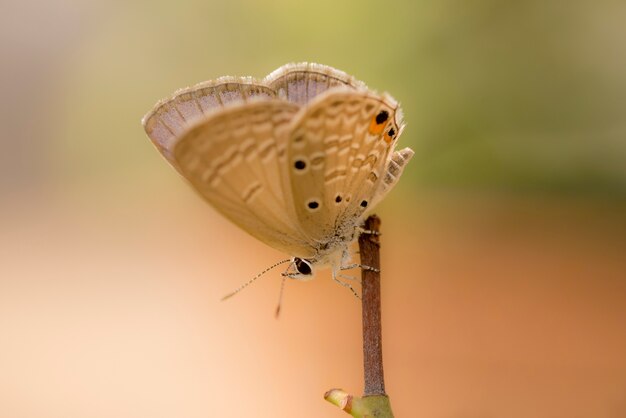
{"type": "Point", "coordinates": [302, 269]}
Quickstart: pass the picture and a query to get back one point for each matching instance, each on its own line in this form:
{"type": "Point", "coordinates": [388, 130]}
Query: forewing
{"type": "Point", "coordinates": [301, 82]}
{"type": "Point", "coordinates": [338, 148]}
{"type": "Point", "coordinates": [171, 117]}
{"type": "Point", "coordinates": [234, 160]}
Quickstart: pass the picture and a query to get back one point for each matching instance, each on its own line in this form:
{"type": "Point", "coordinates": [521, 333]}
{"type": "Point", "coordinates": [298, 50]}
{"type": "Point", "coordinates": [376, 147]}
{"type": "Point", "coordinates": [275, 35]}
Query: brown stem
{"type": "Point", "coordinates": [369, 247]}
{"type": "Point", "coordinates": [374, 403]}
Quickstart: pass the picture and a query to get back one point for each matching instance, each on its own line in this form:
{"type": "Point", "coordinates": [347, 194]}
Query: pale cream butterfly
{"type": "Point", "coordinates": [296, 159]}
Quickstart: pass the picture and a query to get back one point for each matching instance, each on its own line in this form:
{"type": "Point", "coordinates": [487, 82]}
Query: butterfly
{"type": "Point", "coordinates": [296, 159]}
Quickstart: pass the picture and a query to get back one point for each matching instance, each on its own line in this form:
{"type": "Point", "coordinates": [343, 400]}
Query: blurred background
{"type": "Point", "coordinates": [504, 268]}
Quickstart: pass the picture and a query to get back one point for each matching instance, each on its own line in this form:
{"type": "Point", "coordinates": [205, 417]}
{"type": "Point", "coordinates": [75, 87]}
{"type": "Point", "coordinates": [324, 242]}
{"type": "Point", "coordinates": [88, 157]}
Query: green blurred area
{"type": "Point", "coordinates": [524, 97]}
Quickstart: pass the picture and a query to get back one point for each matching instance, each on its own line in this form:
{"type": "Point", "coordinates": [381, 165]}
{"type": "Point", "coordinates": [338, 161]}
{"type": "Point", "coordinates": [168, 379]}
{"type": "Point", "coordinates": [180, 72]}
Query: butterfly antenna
{"type": "Point", "coordinates": [249, 282]}
{"type": "Point", "coordinates": [280, 296]}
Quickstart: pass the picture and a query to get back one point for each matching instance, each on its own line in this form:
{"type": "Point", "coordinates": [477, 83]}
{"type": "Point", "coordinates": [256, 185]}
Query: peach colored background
{"type": "Point", "coordinates": [112, 309]}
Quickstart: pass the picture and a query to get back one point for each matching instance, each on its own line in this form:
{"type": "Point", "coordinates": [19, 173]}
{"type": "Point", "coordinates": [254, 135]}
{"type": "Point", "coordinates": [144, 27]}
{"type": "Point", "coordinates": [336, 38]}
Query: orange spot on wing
{"type": "Point", "coordinates": [376, 128]}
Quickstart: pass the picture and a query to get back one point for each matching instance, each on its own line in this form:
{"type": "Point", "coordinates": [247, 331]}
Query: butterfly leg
{"type": "Point", "coordinates": [367, 231]}
{"type": "Point", "coordinates": [344, 284]}
{"type": "Point", "coordinates": [280, 296]}
{"type": "Point", "coordinates": [290, 275]}
{"type": "Point", "coordinates": [364, 267]}
{"type": "Point", "coordinates": [353, 278]}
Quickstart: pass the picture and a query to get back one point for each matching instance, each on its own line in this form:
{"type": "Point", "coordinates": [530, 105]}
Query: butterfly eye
{"type": "Point", "coordinates": [303, 266]}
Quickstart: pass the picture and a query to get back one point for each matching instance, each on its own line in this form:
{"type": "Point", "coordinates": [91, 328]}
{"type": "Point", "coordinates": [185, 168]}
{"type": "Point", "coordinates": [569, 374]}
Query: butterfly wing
{"type": "Point", "coordinates": [233, 158]}
{"type": "Point", "coordinates": [300, 83]}
{"type": "Point", "coordinates": [393, 171]}
{"type": "Point", "coordinates": [297, 83]}
{"type": "Point", "coordinates": [337, 153]}
{"type": "Point", "coordinates": [291, 159]}
{"type": "Point", "coordinates": [171, 117]}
